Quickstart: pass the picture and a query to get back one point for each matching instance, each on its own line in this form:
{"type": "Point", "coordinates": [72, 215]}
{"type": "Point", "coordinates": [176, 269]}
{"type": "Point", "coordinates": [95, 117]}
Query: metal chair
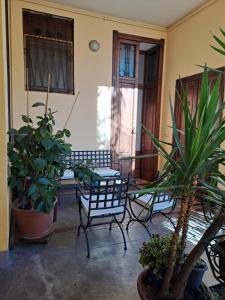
{"type": "Point", "coordinates": [162, 204]}
{"type": "Point", "coordinates": [215, 250]}
{"type": "Point", "coordinates": [102, 199]}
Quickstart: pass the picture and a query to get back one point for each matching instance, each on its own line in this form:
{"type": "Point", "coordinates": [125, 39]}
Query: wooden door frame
{"type": "Point", "coordinates": [155, 116]}
{"type": "Point", "coordinates": [185, 80]}
{"type": "Point", "coordinates": [141, 39]}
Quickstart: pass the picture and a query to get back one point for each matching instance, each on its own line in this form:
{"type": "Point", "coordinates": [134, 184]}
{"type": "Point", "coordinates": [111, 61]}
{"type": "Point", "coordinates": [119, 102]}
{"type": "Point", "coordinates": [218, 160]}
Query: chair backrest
{"type": "Point", "coordinates": [108, 193]}
{"type": "Point", "coordinates": [163, 201]}
{"type": "Point", "coordinates": [99, 158]}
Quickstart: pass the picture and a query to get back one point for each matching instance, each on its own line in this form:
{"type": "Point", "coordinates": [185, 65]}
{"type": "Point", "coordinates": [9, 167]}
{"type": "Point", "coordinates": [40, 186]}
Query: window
{"type": "Point", "coordinates": [127, 60]}
{"type": "Point", "coordinates": [48, 44]}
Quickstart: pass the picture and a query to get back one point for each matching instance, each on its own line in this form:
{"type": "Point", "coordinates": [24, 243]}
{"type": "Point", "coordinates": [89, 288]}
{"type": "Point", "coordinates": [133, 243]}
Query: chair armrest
{"type": "Point", "coordinates": [80, 192]}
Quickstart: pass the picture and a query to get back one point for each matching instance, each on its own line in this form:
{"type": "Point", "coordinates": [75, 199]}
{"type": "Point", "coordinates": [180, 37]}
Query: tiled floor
{"type": "Point", "coordinates": [60, 269]}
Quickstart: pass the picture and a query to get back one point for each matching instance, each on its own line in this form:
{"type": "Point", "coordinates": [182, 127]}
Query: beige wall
{"type": "Point", "coordinates": [4, 199]}
{"type": "Point", "coordinates": [90, 121]}
{"type": "Point", "coordinates": [188, 46]}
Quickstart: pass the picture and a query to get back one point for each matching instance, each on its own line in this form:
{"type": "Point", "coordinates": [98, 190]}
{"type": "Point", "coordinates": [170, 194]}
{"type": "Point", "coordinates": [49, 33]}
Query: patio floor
{"type": "Point", "coordinates": [61, 270]}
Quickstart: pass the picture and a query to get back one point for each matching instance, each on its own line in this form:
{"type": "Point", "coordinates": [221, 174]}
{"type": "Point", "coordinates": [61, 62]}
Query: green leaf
{"type": "Point", "coordinates": [26, 119]}
{"type": "Point", "coordinates": [40, 163]}
{"type": "Point", "coordinates": [218, 50]}
{"type": "Point", "coordinates": [222, 31]}
{"type": "Point", "coordinates": [43, 131]}
{"type": "Point", "coordinates": [32, 189]}
{"type": "Point", "coordinates": [47, 143]}
{"type": "Point", "coordinates": [44, 181]}
{"type": "Point", "coordinates": [67, 133]}
{"type": "Point", "coordinates": [222, 44]}
{"type": "Point", "coordinates": [36, 104]}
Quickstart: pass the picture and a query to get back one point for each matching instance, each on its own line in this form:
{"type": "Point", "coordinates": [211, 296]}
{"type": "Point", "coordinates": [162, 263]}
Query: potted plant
{"type": "Point", "coordinates": [154, 254]}
{"type": "Point", "coordinates": [192, 170]}
{"type": "Point", "coordinates": [34, 152]}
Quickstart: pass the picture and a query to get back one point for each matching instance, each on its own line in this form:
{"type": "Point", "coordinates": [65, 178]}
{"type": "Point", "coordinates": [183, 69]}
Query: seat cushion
{"type": "Point", "coordinates": [146, 200]}
{"type": "Point", "coordinates": [106, 172]}
{"type": "Point", "coordinates": [68, 174]}
{"type": "Point", "coordinates": [101, 211]}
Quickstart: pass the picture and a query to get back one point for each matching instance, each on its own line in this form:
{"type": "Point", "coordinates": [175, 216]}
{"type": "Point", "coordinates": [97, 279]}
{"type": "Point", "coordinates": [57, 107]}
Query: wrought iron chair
{"type": "Point", "coordinates": [211, 210]}
{"type": "Point", "coordinates": [149, 206]}
{"type": "Point", "coordinates": [215, 250]}
{"type": "Point", "coordinates": [102, 199]}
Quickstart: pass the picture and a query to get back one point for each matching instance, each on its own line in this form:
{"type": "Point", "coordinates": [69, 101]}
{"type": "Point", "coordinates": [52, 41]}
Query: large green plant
{"type": "Point", "coordinates": [191, 171]}
{"type": "Point", "coordinates": [35, 160]}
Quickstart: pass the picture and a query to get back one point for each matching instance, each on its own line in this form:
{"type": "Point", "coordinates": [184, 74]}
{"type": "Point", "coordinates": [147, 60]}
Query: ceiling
{"type": "Point", "coordinates": [146, 46]}
{"type": "Point", "coordinates": [157, 12]}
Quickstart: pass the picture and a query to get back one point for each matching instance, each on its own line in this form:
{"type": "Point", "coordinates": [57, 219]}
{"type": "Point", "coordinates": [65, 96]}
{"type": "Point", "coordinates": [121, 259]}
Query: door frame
{"type": "Point", "coordinates": [198, 77]}
{"type": "Point", "coordinates": [141, 39]}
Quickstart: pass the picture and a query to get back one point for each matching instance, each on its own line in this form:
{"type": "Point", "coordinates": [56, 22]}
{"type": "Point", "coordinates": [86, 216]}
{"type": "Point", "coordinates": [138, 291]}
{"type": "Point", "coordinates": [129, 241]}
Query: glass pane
{"type": "Point", "coordinates": [127, 60]}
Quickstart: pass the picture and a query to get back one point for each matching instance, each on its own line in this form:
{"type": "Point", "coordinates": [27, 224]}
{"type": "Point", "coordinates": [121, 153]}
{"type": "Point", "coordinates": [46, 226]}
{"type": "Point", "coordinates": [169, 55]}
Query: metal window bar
{"type": "Point", "coordinates": [46, 56]}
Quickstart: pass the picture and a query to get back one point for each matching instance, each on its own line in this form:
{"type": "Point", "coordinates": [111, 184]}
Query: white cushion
{"type": "Point", "coordinates": [106, 172]}
{"type": "Point", "coordinates": [105, 211]}
{"type": "Point", "coordinates": [68, 174]}
{"type": "Point", "coordinates": [146, 200]}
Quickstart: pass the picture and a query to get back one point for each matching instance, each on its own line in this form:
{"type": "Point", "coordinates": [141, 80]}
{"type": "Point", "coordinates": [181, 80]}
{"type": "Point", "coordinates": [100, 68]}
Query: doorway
{"type": "Point", "coordinates": [137, 83]}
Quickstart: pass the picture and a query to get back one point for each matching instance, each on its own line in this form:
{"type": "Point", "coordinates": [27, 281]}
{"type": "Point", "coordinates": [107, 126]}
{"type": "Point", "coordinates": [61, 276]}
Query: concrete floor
{"type": "Point", "coordinates": [61, 270]}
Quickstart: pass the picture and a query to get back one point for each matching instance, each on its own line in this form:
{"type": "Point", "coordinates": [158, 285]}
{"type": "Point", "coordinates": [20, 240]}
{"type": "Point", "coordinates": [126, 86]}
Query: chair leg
{"type": "Point", "coordinates": [86, 238]}
{"type": "Point", "coordinates": [78, 231]}
{"type": "Point", "coordinates": [110, 226]}
{"type": "Point", "coordinates": [130, 217]}
{"type": "Point", "coordinates": [168, 218]}
{"type": "Point", "coordinates": [131, 220]}
{"type": "Point", "coordinates": [142, 223]}
{"type": "Point", "coordinates": [87, 242]}
{"type": "Point", "coordinates": [121, 229]}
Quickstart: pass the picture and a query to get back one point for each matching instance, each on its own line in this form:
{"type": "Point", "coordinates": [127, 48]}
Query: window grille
{"type": "Point", "coordinates": [48, 43]}
{"type": "Point", "coordinates": [127, 60]}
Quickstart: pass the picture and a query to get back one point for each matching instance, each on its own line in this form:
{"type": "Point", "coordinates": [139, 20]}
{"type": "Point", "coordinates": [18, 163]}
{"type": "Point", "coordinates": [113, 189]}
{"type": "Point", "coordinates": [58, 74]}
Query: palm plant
{"type": "Point", "coordinates": [190, 172]}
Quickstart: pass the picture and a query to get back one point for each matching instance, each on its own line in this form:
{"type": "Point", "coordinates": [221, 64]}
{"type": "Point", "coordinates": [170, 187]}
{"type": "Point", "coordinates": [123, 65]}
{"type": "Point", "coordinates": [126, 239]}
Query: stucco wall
{"type": "Point", "coordinates": [188, 45]}
{"type": "Point", "coordinates": [90, 121]}
{"type": "Point", "coordinates": [4, 198]}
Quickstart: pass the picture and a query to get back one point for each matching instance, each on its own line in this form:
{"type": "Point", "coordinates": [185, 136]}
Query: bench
{"type": "Point", "coordinates": [101, 160]}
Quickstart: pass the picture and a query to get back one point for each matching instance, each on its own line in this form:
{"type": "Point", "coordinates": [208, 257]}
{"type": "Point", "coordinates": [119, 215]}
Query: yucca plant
{"type": "Point", "coordinates": [191, 171]}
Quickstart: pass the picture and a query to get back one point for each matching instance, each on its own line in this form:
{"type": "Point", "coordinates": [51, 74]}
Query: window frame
{"type": "Point", "coordinates": [26, 37]}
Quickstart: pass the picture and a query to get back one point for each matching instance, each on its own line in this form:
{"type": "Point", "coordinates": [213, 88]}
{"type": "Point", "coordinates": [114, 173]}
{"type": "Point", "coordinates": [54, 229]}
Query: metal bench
{"type": "Point", "coordinates": [100, 161]}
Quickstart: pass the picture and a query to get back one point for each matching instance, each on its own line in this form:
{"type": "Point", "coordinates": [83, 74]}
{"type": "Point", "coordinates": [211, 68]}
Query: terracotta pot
{"type": "Point", "coordinates": [142, 278]}
{"type": "Point", "coordinates": [33, 224]}
{"type": "Point", "coordinates": [143, 291]}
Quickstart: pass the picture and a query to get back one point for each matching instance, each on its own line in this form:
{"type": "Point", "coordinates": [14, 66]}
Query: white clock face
{"type": "Point", "coordinates": [94, 45]}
